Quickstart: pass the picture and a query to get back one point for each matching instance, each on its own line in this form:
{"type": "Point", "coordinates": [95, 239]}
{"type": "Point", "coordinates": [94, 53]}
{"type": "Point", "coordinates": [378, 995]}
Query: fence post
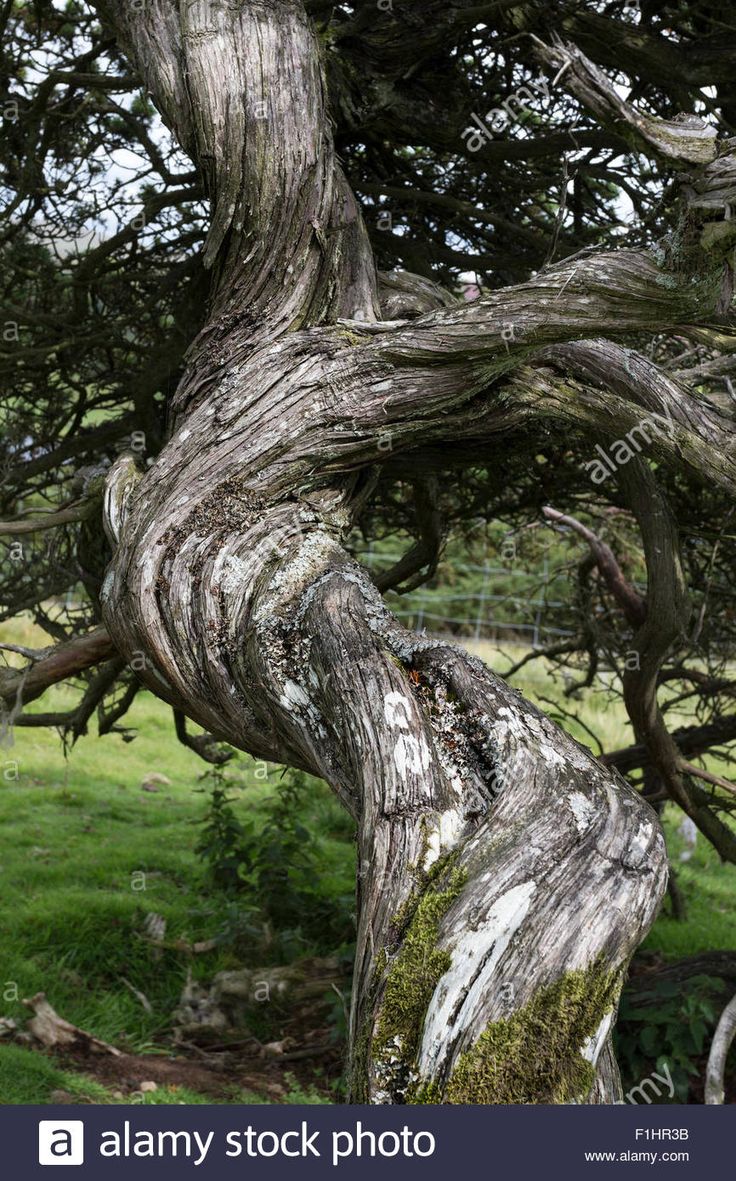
{"type": "Point", "coordinates": [542, 603]}
{"type": "Point", "coordinates": [481, 600]}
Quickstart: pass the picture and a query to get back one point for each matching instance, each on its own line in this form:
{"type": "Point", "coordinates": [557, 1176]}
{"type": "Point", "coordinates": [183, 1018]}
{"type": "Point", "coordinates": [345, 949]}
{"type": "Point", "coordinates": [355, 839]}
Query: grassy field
{"type": "Point", "coordinates": [86, 852]}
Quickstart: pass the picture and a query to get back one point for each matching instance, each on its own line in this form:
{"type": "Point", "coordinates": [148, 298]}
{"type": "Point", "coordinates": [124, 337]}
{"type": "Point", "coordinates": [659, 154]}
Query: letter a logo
{"type": "Point", "coordinates": [60, 1142]}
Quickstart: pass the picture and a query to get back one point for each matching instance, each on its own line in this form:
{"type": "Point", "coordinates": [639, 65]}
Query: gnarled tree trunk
{"type": "Point", "coordinates": [505, 876]}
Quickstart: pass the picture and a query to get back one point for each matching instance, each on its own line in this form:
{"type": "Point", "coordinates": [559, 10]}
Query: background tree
{"type": "Point", "coordinates": [273, 394]}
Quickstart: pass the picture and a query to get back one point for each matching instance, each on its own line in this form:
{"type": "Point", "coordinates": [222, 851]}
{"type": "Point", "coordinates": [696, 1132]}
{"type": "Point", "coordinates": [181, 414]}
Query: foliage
{"type": "Point", "coordinates": [221, 837]}
{"type": "Point", "coordinates": [274, 869]}
{"type": "Point", "coordinates": [670, 1024]}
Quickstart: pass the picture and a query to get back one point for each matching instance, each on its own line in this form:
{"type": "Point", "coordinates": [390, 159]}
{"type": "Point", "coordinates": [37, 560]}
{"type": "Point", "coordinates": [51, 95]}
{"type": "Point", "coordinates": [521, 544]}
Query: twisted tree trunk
{"type": "Point", "coordinates": [505, 876]}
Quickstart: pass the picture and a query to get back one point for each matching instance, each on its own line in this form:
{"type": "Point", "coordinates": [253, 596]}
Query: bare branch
{"type": "Point", "coordinates": [721, 1044]}
{"type": "Point", "coordinates": [707, 776]}
{"type": "Point", "coordinates": [605, 388]}
{"type": "Point", "coordinates": [56, 664]}
{"type": "Point", "coordinates": [77, 510]}
{"type": "Point", "coordinates": [687, 138]}
{"type": "Point", "coordinates": [205, 745]}
{"type": "Point", "coordinates": [627, 597]}
{"type": "Point", "coordinates": [691, 740]}
{"type": "Point", "coordinates": [667, 614]}
{"type": "Point", "coordinates": [421, 560]}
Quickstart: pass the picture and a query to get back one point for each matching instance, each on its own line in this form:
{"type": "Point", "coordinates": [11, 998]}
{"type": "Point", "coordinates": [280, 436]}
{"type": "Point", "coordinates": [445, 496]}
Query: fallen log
{"type": "Point", "coordinates": [47, 1027]}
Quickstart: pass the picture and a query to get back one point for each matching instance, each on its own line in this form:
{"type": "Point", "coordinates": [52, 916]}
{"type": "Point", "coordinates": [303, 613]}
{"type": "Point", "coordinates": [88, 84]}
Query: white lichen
{"type": "Point", "coordinates": [411, 755]}
{"type": "Point", "coordinates": [582, 810]}
{"type": "Point", "coordinates": [397, 710]}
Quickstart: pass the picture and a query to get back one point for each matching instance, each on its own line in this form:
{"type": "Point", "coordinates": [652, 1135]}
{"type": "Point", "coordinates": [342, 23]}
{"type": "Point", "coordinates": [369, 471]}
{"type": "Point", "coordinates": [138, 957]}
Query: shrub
{"type": "Point", "coordinates": [272, 870]}
{"type": "Point", "coordinates": [669, 1023]}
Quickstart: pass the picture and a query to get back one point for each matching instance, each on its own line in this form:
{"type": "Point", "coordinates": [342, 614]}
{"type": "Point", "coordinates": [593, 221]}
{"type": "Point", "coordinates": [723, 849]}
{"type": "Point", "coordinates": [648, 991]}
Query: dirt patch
{"type": "Point", "coordinates": [219, 1075]}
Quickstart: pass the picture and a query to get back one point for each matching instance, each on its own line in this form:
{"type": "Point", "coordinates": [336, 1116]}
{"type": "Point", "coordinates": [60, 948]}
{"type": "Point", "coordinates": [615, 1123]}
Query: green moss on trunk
{"type": "Point", "coordinates": [412, 979]}
{"type": "Point", "coordinates": [535, 1056]}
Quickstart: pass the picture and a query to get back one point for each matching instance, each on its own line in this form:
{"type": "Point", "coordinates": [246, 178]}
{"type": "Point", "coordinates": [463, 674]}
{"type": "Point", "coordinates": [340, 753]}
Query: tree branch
{"type": "Point", "coordinates": [721, 1044]}
{"type": "Point", "coordinates": [424, 554]}
{"type": "Point", "coordinates": [627, 597]}
{"type": "Point", "coordinates": [77, 510]}
{"type": "Point", "coordinates": [205, 745]}
{"type": "Point", "coordinates": [55, 664]}
{"type": "Point", "coordinates": [685, 139]}
{"type": "Point", "coordinates": [707, 776]}
{"type": "Point", "coordinates": [605, 388]}
{"type": "Point", "coordinates": [667, 614]}
{"type": "Point", "coordinates": [691, 740]}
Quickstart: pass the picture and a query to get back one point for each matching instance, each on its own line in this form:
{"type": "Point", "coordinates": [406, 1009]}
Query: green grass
{"type": "Point", "coordinates": [709, 889]}
{"type": "Point", "coordinates": [29, 1077]}
{"type": "Point", "coordinates": [86, 854]}
{"type": "Point", "coordinates": [78, 835]}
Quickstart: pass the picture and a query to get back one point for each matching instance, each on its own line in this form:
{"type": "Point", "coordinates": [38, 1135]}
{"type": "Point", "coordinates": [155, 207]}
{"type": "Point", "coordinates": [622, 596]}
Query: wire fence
{"type": "Point", "coordinates": [474, 607]}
